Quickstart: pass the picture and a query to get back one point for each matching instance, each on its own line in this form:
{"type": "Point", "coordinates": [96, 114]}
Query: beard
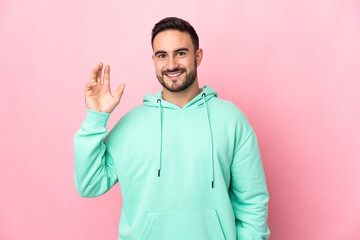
{"type": "Point", "coordinates": [189, 79]}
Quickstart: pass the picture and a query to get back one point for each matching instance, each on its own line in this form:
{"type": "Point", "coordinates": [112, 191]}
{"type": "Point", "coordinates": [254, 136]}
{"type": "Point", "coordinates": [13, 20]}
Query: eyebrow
{"type": "Point", "coordinates": [177, 50]}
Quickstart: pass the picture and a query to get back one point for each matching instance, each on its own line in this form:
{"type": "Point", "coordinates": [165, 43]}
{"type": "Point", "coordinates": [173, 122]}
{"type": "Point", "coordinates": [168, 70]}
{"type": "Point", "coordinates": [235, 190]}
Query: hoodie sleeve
{"type": "Point", "coordinates": [94, 172]}
{"type": "Point", "coordinates": [248, 191]}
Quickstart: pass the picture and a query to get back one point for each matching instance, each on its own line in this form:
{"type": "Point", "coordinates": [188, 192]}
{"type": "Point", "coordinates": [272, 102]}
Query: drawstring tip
{"type": "Point", "coordinates": [212, 184]}
{"type": "Point", "coordinates": [159, 173]}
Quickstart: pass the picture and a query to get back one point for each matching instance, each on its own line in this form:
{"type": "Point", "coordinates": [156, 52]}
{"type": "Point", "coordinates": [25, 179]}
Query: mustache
{"type": "Point", "coordinates": [173, 70]}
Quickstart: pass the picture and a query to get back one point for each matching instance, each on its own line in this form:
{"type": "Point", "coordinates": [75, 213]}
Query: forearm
{"type": "Point", "coordinates": [94, 172]}
{"type": "Point", "coordinates": [248, 192]}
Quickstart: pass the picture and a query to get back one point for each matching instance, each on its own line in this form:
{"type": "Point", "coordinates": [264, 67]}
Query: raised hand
{"type": "Point", "coordinates": [98, 94]}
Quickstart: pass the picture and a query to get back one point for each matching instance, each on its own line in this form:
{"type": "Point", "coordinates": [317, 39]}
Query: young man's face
{"type": "Point", "coordinates": [175, 60]}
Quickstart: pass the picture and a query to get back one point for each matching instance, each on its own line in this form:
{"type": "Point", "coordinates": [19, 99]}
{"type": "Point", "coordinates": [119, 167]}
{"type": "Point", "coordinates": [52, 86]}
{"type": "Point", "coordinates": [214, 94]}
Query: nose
{"type": "Point", "coordinates": [172, 63]}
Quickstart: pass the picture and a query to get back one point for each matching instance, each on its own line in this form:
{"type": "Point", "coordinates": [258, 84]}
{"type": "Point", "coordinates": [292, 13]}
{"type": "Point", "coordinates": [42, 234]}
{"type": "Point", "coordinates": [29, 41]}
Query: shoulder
{"type": "Point", "coordinates": [226, 113]}
{"type": "Point", "coordinates": [129, 122]}
{"type": "Point", "coordinates": [135, 116]}
{"type": "Point", "coordinates": [135, 113]}
{"type": "Point", "coordinates": [228, 109]}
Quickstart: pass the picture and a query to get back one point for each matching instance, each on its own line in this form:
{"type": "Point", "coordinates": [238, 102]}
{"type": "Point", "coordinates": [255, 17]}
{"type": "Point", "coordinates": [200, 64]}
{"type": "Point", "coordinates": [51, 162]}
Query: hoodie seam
{"type": "Point", "coordinates": [243, 143]}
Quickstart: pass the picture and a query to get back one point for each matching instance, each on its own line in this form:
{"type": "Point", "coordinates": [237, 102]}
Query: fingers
{"type": "Point", "coordinates": [99, 72]}
{"type": "Point", "coordinates": [94, 73]}
{"type": "Point", "coordinates": [90, 85]}
{"type": "Point", "coordinates": [119, 92]}
{"type": "Point", "coordinates": [107, 76]}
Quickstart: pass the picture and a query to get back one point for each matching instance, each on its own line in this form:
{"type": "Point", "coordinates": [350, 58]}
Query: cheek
{"type": "Point", "coordinates": [189, 64]}
{"type": "Point", "coordinates": [159, 66]}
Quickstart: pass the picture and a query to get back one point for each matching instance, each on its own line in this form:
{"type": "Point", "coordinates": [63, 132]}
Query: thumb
{"type": "Point", "coordinates": [119, 92]}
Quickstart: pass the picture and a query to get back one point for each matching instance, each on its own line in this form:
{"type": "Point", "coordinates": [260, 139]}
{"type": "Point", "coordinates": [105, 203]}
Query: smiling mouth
{"type": "Point", "coordinates": [174, 75]}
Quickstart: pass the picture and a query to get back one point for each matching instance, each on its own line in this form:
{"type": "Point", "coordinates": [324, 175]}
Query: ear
{"type": "Point", "coordinates": [199, 54]}
{"type": "Point", "coordinates": [153, 57]}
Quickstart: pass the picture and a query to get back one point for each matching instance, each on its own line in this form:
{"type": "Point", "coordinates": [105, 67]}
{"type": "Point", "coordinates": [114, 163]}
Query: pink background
{"type": "Point", "coordinates": [292, 67]}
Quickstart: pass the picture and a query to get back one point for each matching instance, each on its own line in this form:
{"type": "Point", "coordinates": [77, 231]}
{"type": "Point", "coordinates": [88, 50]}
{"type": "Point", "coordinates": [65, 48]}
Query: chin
{"type": "Point", "coordinates": [180, 84]}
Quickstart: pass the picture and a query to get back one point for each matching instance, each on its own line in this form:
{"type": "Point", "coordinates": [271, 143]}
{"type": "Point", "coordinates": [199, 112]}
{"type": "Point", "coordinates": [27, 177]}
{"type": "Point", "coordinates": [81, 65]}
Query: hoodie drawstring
{"type": "Point", "coordinates": [211, 140]}
{"type": "Point", "coordinates": [159, 102]}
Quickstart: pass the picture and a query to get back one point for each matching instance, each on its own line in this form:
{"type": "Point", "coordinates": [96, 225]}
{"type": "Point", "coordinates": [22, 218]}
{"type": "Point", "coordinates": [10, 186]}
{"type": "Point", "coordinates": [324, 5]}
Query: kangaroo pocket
{"type": "Point", "coordinates": [200, 225]}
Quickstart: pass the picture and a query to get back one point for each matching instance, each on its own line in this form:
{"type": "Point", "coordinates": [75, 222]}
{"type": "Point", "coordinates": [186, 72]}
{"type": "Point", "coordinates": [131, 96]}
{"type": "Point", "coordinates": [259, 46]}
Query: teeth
{"type": "Point", "coordinates": [174, 75]}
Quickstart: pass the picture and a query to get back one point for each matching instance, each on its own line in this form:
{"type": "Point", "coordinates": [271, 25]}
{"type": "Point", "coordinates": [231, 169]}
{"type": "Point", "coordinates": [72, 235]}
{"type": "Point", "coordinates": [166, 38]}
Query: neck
{"type": "Point", "coordinates": [183, 97]}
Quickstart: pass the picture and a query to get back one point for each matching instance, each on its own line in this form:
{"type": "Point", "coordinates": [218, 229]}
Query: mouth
{"type": "Point", "coordinates": [174, 75]}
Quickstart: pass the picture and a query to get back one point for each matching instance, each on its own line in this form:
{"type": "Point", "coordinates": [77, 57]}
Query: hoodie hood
{"type": "Point", "coordinates": [199, 101]}
{"type": "Point", "coordinates": [152, 100]}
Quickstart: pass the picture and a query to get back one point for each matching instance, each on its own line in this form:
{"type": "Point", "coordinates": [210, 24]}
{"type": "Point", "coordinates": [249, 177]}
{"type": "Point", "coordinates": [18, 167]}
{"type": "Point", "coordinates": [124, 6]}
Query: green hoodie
{"type": "Point", "coordinates": [185, 173]}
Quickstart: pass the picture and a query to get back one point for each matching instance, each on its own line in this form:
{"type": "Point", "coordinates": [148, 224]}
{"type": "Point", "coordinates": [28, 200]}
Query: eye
{"type": "Point", "coordinates": [161, 55]}
{"type": "Point", "coordinates": [181, 53]}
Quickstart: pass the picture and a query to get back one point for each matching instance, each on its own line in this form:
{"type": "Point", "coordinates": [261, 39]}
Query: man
{"type": "Point", "coordinates": [187, 162]}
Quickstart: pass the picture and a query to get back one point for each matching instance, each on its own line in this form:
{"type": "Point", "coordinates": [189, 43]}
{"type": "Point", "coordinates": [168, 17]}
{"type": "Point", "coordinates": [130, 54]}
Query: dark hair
{"type": "Point", "coordinates": [174, 23]}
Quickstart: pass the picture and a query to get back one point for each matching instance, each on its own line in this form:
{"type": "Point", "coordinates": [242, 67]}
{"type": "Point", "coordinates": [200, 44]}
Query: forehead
{"type": "Point", "coordinates": [171, 40]}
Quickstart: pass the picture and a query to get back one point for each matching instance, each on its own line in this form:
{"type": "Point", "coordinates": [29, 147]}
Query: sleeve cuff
{"type": "Point", "coordinates": [96, 118]}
